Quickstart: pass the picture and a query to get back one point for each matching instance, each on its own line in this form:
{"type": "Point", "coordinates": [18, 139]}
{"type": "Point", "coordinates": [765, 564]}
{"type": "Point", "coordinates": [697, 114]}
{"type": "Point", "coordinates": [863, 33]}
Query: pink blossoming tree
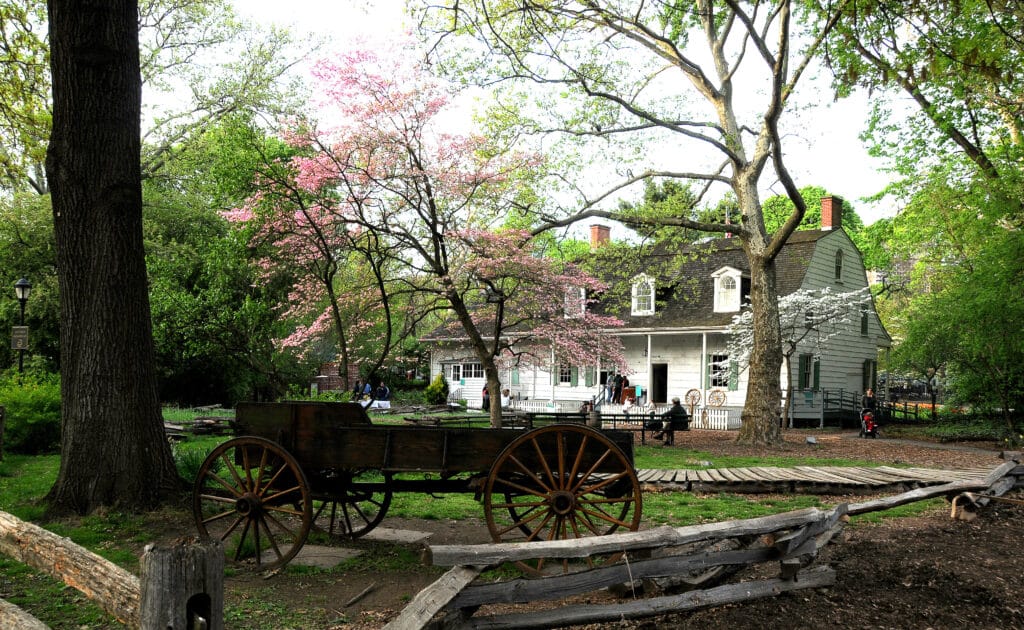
{"type": "Point", "coordinates": [431, 203]}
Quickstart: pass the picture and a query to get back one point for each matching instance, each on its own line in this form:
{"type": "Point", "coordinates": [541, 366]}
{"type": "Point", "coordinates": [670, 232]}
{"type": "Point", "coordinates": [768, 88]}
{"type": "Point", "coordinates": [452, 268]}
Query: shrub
{"type": "Point", "coordinates": [437, 392]}
{"type": "Point", "coordinates": [188, 460]}
{"type": "Point", "coordinates": [32, 400]}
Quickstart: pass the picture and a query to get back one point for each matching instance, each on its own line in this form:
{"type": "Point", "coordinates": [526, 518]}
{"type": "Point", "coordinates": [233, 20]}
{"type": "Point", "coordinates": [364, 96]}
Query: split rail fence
{"type": "Point", "coordinates": [181, 586]}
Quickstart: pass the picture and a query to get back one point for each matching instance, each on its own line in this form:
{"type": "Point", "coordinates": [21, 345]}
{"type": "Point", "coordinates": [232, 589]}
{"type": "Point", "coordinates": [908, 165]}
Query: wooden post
{"type": "Point", "coordinates": [183, 587]}
{"type": "Point", "coordinates": [3, 411]}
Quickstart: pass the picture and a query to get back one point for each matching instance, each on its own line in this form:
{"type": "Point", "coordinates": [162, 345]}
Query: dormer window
{"type": "Point", "coordinates": [643, 296]}
{"type": "Point", "coordinates": [728, 284]}
{"type": "Point", "coordinates": [575, 302]}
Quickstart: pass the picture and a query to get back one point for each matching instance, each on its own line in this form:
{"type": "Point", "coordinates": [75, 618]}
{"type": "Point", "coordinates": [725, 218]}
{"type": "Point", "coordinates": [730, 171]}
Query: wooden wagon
{"type": "Point", "coordinates": [295, 467]}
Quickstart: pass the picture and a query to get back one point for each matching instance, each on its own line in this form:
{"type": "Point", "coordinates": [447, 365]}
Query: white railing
{"type": "Point", "coordinates": [541, 406]}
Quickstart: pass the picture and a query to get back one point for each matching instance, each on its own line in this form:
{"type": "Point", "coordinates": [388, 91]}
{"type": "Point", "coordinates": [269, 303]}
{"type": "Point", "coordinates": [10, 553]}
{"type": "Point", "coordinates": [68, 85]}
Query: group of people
{"type": "Point", "coordinates": [506, 399]}
{"type": "Point", "coordinates": [614, 387]}
{"type": "Point", "coordinates": [378, 397]}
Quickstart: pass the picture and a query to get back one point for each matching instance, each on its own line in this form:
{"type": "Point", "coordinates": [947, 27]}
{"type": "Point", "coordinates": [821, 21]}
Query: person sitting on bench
{"type": "Point", "coordinates": [675, 419]}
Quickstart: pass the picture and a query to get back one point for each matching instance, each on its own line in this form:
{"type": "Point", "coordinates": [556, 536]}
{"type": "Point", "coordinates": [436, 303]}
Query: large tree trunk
{"type": "Point", "coordinates": [113, 449]}
{"type": "Point", "coordinates": [764, 389]}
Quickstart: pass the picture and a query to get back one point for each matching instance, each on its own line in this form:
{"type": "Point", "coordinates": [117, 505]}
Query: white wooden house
{"type": "Point", "coordinates": [675, 335]}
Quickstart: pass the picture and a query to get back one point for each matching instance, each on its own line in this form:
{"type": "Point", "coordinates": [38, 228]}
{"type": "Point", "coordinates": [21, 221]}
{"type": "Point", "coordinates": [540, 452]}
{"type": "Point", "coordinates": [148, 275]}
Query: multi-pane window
{"type": "Point", "coordinates": [839, 264]}
{"type": "Point", "coordinates": [458, 371]}
{"type": "Point", "coordinates": [643, 296]}
{"type": "Point", "coordinates": [864, 321]}
{"type": "Point", "coordinates": [564, 374]}
{"type": "Point", "coordinates": [719, 370]}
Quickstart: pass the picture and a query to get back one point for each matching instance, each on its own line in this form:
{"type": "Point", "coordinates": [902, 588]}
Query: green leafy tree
{"type": "Point", "coordinates": [113, 448]}
{"type": "Point", "coordinates": [659, 73]}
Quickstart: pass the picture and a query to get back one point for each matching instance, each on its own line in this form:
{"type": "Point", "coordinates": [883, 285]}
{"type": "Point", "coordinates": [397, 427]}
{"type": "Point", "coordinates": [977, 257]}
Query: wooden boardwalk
{"type": "Point", "coordinates": [806, 479]}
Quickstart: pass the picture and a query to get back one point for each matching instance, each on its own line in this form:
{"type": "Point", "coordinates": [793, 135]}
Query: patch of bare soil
{"type": "Point", "coordinates": [921, 572]}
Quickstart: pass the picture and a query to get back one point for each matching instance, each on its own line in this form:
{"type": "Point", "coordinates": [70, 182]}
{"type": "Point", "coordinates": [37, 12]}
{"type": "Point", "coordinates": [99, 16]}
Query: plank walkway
{"type": "Point", "coordinates": [810, 479]}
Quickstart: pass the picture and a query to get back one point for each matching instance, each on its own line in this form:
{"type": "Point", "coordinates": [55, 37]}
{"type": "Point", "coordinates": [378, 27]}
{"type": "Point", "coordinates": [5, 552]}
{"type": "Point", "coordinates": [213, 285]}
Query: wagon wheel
{"type": "Point", "coordinates": [252, 495]}
{"type": "Point", "coordinates": [355, 505]}
{"type": "Point", "coordinates": [716, 398]}
{"type": "Point", "coordinates": [560, 482]}
{"type": "Point", "coordinates": [692, 398]}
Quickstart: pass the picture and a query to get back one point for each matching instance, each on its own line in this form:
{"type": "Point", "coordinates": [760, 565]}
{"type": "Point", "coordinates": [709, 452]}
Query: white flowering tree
{"type": "Point", "coordinates": [807, 316]}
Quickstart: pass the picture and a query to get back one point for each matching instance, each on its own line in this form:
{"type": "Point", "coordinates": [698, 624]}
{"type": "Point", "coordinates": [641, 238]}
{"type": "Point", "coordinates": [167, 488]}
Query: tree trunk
{"type": "Point", "coordinates": [113, 449]}
{"type": "Point", "coordinates": [761, 409]}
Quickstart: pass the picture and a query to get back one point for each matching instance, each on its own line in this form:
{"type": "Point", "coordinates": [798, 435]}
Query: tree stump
{"type": "Point", "coordinates": [183, 586]}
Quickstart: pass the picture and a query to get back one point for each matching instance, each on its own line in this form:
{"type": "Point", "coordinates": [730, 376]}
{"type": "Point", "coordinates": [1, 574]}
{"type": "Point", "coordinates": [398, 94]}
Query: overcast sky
{"type": "Point", "coordinates": [824, 152]}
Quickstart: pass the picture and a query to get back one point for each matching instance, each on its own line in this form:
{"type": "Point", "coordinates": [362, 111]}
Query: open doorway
{"type": "Point", "coordinates": [659, 382]}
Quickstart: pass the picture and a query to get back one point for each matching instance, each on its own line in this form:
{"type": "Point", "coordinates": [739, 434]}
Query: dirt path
{"type": "Point", "coordinates": [921, 572]}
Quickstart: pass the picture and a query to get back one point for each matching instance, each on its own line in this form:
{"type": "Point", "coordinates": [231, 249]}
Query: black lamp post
{"type": "Point", "coordinates": [22, 289]}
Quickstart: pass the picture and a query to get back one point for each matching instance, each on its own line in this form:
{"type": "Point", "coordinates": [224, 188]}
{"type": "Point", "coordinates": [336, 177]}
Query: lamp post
{"type": "Point", "coordinates": [22, 289]}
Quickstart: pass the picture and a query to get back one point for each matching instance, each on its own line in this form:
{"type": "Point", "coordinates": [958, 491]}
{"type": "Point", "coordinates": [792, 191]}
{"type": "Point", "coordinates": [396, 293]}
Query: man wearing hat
{"type": "Point", "coordinates": [675, 419]}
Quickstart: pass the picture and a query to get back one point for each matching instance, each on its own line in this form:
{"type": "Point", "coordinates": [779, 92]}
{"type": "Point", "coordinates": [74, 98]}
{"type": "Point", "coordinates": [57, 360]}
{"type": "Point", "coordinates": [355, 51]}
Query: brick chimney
{"type": "Point", "coordinates": [599, 235]}
{"type": "Point", "coordinates": [831, 212]}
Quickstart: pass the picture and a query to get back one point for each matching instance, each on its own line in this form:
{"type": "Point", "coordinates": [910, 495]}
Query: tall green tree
{"type": "Point", "coordinates": [664, 73]}
{"type": "Point", "coordinates": [113, 448]}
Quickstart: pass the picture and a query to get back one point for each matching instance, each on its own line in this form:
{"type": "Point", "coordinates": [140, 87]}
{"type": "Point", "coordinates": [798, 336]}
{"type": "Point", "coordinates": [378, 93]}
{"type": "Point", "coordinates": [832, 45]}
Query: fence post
{"type": "Point", "coordinates": [183, 587]}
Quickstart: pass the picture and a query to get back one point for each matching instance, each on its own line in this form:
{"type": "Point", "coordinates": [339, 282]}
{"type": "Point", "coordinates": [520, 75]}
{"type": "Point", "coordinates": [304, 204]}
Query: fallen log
{"type": "Point", "coordinates": [953, 488]}
{"type": "Point", "coordinates": [525, 590]}
{"type": "Point", "coordinates": [112, 588]}
{"type": "Point", "coordinates": [487, 555]}
{"type": "Point", "coordinates": [720, 595]}
{"type": "Point", "coordinates": [13, 617]}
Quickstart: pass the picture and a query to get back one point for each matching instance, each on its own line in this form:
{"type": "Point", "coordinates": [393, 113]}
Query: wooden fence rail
{"type": "Point", "coordinates": [182, 586]}
{"type": "Point", "coordinates": [661, 560]}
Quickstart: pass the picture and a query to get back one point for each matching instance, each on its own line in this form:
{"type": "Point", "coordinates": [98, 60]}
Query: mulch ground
{"type": "Point", "coordinates": [927, 571]}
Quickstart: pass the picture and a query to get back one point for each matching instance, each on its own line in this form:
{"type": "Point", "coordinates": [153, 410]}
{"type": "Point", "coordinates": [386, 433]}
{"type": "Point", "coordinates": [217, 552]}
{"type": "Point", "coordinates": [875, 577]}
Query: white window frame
{"type": "Point", "coordinates": [643, 296]}
{"type": "Point", "coordinates": [564, 374]}
{"type": "Point", "coordinates": [720, 370]}
{"type": "Point", "coordinates": [727, 298]}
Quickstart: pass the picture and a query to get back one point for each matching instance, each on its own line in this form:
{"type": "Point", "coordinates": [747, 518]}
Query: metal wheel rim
{"type": "Point", "coordinates": [260, 502]}
{"type": "Point", "coordinates": [566, 498]}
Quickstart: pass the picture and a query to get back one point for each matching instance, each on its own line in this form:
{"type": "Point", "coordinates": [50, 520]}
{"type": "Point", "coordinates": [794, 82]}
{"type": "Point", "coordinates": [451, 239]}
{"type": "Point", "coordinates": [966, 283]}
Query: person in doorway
{"type": "Point", "coordinates": [675, 419]}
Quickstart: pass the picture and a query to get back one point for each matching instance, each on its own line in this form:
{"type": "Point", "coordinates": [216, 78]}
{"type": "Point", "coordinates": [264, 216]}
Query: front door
{"type": "Point", "coordinates": [659, 382]}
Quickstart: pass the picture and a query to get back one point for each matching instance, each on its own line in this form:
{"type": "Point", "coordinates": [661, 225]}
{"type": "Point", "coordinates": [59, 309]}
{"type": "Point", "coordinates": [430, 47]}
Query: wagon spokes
{"type": "Point", "coordinates": [561, 482]}
{"type": "Point", "coordinates": [262, 507]}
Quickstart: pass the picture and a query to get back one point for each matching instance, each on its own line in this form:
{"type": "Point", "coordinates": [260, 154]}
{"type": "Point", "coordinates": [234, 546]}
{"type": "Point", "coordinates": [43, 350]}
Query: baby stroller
{"type": "Point", "coordinates": [868, 425]}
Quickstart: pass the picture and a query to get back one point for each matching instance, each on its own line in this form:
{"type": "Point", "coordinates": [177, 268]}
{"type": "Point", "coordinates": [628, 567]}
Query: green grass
{"type": "Point", "coordinates": [25, 480]}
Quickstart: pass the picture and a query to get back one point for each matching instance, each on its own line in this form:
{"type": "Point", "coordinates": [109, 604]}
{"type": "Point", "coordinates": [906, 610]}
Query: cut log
{"type": "Point", "coordinates": [432, 599]}
{"type": "Point", "coordinates": [183, 586]}
{"type": "Point", "coordinates": [13, 617]}
{"type": "Point", "coordinates": [590, 613]}
{"type": "Point", "coordinates": [112, 588]}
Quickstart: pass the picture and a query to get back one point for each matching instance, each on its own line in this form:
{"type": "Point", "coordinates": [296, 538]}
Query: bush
{"type": "Point", "coordinates": [189, 459]}
{"type": "Point", "coordinates": [32, 400]}
{"type": "Point", "coordinates": [437, 392]}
